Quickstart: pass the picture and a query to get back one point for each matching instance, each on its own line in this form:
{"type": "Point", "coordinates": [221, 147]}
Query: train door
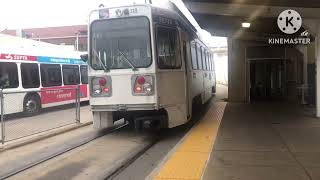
{"type": "Point", "coordinates": [171, 78]}
{"type": "Point", "coordinates": [268, 80]}
{"type": "Point", "coordinates": [187, 60]}
{"type": "Point", "coordinates": [200, 73]}
{"type": "Point", "coordinates": [206, 79]}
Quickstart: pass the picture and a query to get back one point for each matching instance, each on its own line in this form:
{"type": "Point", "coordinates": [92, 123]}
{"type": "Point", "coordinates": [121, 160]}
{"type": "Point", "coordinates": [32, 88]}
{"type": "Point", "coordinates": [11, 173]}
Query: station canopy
{"type": "Point", "coordinates": [224, 17]}
{"type": "Point", "coordinates": [283, 3]}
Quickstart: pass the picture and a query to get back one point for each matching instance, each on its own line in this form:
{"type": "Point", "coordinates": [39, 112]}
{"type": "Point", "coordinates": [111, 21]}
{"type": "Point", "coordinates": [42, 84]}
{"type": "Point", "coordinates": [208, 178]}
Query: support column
{"type": "Point", "coordinates": [305, 74]}
{"type": "Point", "coordinates": [230, 60]}
{"type": "Point", "coordinates": [317, 51]}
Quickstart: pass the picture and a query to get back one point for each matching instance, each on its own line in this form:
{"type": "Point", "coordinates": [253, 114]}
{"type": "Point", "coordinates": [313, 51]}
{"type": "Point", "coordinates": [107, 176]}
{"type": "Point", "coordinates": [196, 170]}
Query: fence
{"type": "Point", "coordinates": [32, 112]}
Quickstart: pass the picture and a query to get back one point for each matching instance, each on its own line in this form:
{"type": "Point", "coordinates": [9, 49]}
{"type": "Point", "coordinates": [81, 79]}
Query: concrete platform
{"type": "Point", "coordinates": [264, 141]}
{"type": "Point", "coordinates": [260, 141]}
{"type": "Point", "coordinates": [188, 159]}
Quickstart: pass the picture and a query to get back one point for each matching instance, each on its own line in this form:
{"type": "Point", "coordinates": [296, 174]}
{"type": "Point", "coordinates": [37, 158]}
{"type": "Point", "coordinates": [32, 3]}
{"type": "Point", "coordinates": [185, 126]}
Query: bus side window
{"type": "Point", "coordinates": [194, 56]}
{"type": "Point", "coordinates": [50, 75]}
{"type": "Point", "coordinates": [30, 75]}
{"type": "Point", "coordinates": [71, 74]}
{"type": "Point", "coordinates": [8, 75]}
{"type": "Point", "coordinates": [84, 74]}
{"type": "Point", "coordinates": [199, 57]}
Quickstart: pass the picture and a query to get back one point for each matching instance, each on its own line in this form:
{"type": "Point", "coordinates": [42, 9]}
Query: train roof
{"type": "Point", "coordinates": [170, 10]}
{"type": "Point", "coordinates": [173, 12]}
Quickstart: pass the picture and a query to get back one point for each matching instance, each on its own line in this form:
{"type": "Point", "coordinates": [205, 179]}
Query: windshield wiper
{"type": "Point", "coordinates": [128, 61]}
{"type": "Point", "coordinates": [101, 63]}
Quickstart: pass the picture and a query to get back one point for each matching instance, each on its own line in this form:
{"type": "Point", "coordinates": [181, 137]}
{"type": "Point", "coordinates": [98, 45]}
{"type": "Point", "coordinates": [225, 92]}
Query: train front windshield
{"type": "Point", "coordinates": [120, 43]}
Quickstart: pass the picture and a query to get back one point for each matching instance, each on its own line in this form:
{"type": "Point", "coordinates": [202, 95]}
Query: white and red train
{"type": "Point", "coordinates": [147, 65]}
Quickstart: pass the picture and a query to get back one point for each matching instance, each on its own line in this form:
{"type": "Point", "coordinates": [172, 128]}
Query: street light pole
{"type": "Point", "coordinates": [77, 41]}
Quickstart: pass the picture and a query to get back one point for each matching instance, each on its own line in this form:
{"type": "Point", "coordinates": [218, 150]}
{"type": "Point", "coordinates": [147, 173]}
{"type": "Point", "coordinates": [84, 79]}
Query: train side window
{"type": "Point", "coordinates": [194, 56]}
{"type": "Point", "coordinates": [204, 63]}
{"type": "Point", "coordinates": [84, 74]}
{"type": "Point", "coordinates": [199, 57]}
{"type": "Point", "coordinates": [30, 75]}
{"type": "Point", "coordinates": [213, 65]}
{"type": "Point", "coordinates": [8, 75]}
{"type": "Point", "coordinates": [50, 75]}
{"type": "Point", "coordinates": [168, 48]}
{"type": "Point", "coordinates": [205, 59]}
{"type": "Point", "coordinates": [208, 61]}
{"type": "Point", "coordinates": [71, 74]}
{"type": "Point", "coordinates": [211, 61]}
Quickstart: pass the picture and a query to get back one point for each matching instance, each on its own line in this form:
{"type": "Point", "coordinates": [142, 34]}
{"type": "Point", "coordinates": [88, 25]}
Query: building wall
{"type": "Point", "coordinates": [221, 64]}
{"type": "Point", "coordinates": [294, 74]}
{"type": "Point", "coordinates": [63, 35]}
{"type": "Point", "coordinates": [221, 67]}
{"type": "Point", "coordinates": [239, 50]}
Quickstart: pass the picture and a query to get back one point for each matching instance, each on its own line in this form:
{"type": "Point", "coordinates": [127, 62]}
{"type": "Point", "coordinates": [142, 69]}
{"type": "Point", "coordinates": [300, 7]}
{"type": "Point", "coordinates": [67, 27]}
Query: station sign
{"type": "Point", "coordinates": [106, 13]}
{"type": "Point", "coordinates": [165, 21]}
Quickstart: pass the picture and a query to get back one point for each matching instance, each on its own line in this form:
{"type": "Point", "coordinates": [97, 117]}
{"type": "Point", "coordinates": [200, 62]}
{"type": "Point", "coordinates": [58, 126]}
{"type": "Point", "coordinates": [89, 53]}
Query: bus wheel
{"type": "Point", "coordinates": [31, 105]}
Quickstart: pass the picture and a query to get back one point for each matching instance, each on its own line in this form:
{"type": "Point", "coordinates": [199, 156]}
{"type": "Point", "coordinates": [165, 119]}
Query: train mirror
{"type": "Point", "coordinates": [84, 57]}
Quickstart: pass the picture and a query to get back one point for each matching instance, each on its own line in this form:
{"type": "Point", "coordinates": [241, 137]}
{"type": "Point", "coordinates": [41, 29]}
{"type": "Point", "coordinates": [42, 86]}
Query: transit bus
{"type": "Point", "coordinates": [147, 65]}
{"type": "Point", "coordinates": [33, 79]}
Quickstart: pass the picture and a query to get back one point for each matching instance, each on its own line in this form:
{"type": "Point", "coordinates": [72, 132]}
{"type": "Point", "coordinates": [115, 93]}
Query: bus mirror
{"type": "Point", "coordinates": [84, 57]}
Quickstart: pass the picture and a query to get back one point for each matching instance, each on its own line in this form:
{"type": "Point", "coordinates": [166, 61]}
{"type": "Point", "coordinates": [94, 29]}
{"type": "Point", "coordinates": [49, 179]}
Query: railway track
{"type": "Point", "coordinates": [56, 154]}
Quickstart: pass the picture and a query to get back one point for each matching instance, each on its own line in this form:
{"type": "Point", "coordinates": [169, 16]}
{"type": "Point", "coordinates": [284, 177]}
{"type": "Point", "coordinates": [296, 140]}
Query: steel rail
{"type": "Point", "coordinates": [19, 170]}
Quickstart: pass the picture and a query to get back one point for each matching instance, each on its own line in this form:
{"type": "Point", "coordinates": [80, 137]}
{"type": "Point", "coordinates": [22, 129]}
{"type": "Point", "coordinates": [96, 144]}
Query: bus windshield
{"type": "Point", "coordinates": [120, 43]}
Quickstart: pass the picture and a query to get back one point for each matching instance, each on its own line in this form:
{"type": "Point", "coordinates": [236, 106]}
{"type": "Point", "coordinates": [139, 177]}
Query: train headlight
{"type": "Point", "coordinates": [148, 88]}
{"type": "Point", "coordinates": [97, 92]}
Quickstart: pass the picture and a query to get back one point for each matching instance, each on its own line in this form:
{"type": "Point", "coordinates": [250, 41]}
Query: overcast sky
{"type": "Point", "coordinates": [43, 13]}
{"type": "Point", "coordinates": [15, 14]}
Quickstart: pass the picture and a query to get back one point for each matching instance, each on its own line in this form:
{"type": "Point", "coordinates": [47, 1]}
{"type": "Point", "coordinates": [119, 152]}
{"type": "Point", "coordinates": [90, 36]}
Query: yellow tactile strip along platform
{"type": "Point", "coordinates": [190, 158]}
